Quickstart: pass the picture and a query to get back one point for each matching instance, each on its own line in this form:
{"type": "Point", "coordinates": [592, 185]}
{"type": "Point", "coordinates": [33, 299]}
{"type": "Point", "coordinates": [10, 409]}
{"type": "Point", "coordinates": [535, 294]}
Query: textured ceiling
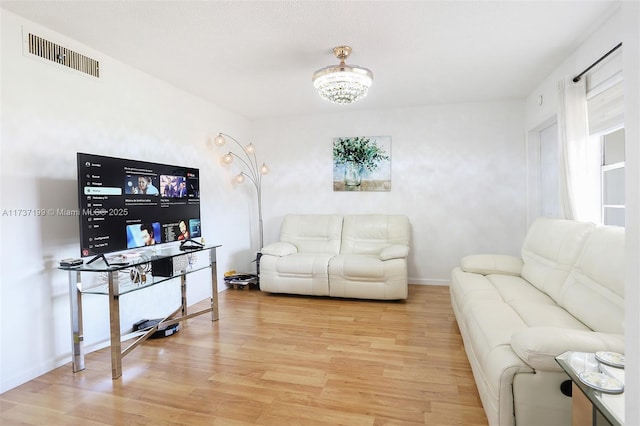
{"type": "Point", "coordinates": [256, 58]}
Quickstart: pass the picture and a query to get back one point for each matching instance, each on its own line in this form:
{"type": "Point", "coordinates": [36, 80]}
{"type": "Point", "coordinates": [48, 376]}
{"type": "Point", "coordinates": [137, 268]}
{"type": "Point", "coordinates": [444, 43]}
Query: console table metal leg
{"type": "Point", "coordinates": [183, 292]}
{"type": "Point", "coordinates": [114, 325]}
{"type": "Point", "coordinates": [77, 338]}
{"type": "Point", "coordinates": [214, 285]}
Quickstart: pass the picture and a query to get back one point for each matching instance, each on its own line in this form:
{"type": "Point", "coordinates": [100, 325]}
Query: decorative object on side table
{"type": "Point", "coordinates": [249, 168]}
{"type": "Point", "coordinates": [362, 163]}
{"type": "Point", "coordinates": [613, 359]}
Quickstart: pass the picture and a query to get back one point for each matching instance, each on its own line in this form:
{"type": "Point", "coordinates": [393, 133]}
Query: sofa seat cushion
{"type": "Point", "coordinates": [468, 287]}
{"type": "Point", "coordinates": [514, 289]}
{"type": "Point", "coordinates": [302, 264]}
{"type": "Point", "coordinates": [367, 276]}
{"type": "Point", "coordinates": [546, 314]}
{"type": "Point", "coordinates": [357, 265]}
{"type": "Point", "coordinates": [490, 326]}
{"type": "Point", "coordinates": [301, 273]}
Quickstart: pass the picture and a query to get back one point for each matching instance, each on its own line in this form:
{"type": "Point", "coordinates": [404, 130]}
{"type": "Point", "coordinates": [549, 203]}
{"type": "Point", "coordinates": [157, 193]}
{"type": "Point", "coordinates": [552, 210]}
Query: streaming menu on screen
{"type": "Point", "coordinates": [125, 203]}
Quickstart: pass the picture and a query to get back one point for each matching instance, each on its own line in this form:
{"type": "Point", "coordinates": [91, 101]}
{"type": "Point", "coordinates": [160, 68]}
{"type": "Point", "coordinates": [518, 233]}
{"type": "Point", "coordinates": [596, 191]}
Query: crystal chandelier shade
{"type": "Point", "coordinates": [342, 84]}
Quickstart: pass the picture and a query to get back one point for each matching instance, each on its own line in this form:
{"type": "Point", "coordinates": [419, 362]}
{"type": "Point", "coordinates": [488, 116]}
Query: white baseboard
{"type": "Point", "coordinates": [428, 281]}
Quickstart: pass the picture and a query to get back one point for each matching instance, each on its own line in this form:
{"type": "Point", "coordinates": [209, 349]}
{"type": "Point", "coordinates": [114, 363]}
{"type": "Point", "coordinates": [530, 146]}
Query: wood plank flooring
{"type": "Point", "coordinates": [274, 360]}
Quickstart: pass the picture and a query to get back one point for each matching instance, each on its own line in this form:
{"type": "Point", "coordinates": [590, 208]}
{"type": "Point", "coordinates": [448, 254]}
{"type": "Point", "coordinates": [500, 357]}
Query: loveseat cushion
{"type": "Point", "coordinates": [370, 234]}
{"type": "Point", "coordinates": [367, 276]}
{"type": "Point", "coordinates": [395, 251]}
{"type": "Point", "coordinates": [279, 248]}
{"type": "Point", "coordinates": [313, 233]}
{"type": "Point", "coordinates": [300, 273]}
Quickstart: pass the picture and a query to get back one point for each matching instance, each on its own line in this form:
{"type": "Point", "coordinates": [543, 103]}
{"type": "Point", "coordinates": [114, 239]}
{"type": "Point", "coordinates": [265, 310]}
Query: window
{"type": "Point", "coordinates": [612, 182]}
{"type": "Point", "coordinates": [605, 108]}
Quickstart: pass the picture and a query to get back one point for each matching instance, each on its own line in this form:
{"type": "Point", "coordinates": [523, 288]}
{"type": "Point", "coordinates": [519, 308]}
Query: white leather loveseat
{"type": "Point", "coordinates": [355, 256]}
{"type": "Point", "coordinates": [516, 315]}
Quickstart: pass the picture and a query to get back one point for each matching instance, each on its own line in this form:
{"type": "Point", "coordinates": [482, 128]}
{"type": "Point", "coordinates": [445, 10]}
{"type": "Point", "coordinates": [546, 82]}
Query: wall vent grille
{"type": "Point", "coordinates": [45, 49]}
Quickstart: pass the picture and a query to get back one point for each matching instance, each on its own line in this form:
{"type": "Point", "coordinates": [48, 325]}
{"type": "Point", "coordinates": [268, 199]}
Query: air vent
{"type": "Point", "coordinates": [63, 56]}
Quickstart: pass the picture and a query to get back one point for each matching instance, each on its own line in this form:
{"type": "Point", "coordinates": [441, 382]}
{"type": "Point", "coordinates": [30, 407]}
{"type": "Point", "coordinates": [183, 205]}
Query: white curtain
{"type": "Point", "coordinates": [579, 174]}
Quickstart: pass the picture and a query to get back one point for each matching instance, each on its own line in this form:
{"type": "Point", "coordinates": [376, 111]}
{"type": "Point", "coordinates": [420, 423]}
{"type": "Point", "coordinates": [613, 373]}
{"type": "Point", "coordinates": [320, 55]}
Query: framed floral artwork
{"type": "Point", "coordinates": [362, 163]}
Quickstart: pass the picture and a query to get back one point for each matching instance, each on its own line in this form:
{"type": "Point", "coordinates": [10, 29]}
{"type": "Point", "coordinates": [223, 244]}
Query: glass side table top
{"type": "Point", "coordinates": [611, 405]}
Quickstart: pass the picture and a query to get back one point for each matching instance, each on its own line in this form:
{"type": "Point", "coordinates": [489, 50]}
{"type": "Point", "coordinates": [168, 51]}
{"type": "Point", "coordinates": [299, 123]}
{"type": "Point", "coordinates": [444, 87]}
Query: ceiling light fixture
{"type": "Point", "coordinates": [342, 84]}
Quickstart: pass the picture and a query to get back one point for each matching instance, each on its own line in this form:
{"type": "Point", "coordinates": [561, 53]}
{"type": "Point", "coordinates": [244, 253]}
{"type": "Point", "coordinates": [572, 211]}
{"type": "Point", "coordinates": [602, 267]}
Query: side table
{"type": "Point", "coordinates": [591, 406]}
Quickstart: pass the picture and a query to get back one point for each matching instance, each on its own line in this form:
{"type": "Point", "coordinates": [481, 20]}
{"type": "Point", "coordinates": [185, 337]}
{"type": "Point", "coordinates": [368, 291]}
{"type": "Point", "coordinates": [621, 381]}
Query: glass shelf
{"type": "Point", "coordinates": [183, 262]}
{"type": "Point", "coordinates": [126, 285]}
{"type": "Point", "coordinates": [134, 258]}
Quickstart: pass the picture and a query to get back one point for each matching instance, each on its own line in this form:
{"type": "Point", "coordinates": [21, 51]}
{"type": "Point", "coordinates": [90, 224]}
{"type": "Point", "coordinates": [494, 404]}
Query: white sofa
{"type": "Point", "coordinates": [353, 256]}
{"type": "Point", "coordinates": [566, 293]}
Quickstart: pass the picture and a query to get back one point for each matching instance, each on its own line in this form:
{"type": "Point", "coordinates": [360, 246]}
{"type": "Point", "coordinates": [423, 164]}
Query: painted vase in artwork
{"type": "Point", "coordinates": [352, 173]}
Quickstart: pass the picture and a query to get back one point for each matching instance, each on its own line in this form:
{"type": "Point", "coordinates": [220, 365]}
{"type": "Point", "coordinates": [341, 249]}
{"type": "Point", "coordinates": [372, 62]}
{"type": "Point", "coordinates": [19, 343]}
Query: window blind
{"type": "Point", "coordinates": [605, 95]}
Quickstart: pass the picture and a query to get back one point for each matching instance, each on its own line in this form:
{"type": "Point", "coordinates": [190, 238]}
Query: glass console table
{"type": "Point", "coordinates": [130, 272]}
{"type": "Point", "coordinates": [592, 406]}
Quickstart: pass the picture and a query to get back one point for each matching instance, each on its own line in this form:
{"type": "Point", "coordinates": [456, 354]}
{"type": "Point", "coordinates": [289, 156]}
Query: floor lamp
{"type": "Point", "coordinates": [249, 169]}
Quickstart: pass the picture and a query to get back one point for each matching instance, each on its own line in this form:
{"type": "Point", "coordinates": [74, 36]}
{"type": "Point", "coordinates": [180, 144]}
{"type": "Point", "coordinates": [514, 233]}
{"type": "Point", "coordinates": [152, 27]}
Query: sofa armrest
{"type": "Point", "coordinates": [486, 264]}
{"type": "Point", "coordinates": [395, 251]}
{"type": "Point", "coordinates": [538, 346]}
{"type": "Point", "coordinates": [279, 249]}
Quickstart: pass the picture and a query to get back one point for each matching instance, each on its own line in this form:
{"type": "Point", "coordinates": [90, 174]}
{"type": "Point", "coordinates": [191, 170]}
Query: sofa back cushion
{"type": "Point", "coordinates": [594, 290]}
{"type": "Point", "coordinates": [550, 249]}
{"type": "Point", "coordinates": [313, 233]}
{"type": "Point", "coordinates": [370, 233]}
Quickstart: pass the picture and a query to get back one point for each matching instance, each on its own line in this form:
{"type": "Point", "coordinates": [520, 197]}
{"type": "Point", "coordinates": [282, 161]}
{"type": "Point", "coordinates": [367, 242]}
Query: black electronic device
{"type": "Point", "coordinates": [71, 262]}
{"type": "Point", "coordinates": [126, 203]}
{"type": "Point", "coordinates": [163, 331]}
{"type": "Point", "coordinates": [162, 267]}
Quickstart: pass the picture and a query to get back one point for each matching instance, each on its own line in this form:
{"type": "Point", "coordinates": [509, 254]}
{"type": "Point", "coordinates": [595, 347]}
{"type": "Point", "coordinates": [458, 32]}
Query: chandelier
{"type": "Point", "coordinates": [342, 84]}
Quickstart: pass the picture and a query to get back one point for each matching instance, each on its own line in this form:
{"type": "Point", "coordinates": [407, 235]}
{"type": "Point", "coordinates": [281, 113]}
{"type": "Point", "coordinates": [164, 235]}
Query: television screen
{"type": "Point", "coordinates": [128, 204]}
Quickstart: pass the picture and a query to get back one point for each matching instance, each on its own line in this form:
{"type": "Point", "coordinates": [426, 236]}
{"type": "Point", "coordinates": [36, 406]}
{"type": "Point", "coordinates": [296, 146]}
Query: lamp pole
{"type": "Point", "coordinates": [254, 172]}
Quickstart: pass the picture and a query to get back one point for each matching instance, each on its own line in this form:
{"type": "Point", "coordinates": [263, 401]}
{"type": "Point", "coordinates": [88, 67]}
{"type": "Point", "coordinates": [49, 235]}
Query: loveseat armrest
{"type": "Point", "coordinates": [539, 346]}
{"type": "Point", "coordinates": [486, 264]}
{"type": "Point", "coordinates": [280, 248]}
{"type": "Point", "coordinates": [394, 251]}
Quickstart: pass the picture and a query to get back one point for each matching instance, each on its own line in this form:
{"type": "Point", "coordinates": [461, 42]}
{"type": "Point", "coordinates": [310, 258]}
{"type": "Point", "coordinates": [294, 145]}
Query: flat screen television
{"type": "Point", "coordinates": [126, 204]}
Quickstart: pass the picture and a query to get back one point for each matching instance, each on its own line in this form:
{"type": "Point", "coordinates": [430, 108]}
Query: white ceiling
{"type": "Point", "coordinates": [256, 58]}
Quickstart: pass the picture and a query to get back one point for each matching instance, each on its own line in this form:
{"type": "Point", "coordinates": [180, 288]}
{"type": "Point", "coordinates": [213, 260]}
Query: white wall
{"type": "Point", "coordinates": [49, 113]}
{"type": "Point", "coordinates": [621, 26]}
{"type": "Point", "coordinates": [631, 40]}
{"type": "Point", "coordinates": [457, 171]}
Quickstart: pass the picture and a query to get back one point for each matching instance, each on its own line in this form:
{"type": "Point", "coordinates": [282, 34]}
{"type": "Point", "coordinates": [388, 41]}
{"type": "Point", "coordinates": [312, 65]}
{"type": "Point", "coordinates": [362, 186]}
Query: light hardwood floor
{"type": "Point", "coordinates": [274, 360]}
